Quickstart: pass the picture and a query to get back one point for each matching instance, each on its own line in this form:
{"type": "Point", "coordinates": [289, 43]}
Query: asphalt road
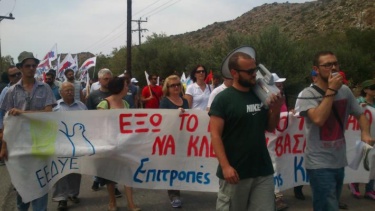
{"type": "Point", "coordinates": [155, 200]}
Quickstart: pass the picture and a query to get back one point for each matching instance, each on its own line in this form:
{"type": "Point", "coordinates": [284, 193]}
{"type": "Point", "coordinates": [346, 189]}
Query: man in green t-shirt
{"type": "Point", "coordinates": [238, 120]}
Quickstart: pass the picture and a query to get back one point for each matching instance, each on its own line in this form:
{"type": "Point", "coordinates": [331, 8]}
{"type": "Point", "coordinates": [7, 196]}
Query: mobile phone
{"type": "Point", "coordinates": [334, 73]}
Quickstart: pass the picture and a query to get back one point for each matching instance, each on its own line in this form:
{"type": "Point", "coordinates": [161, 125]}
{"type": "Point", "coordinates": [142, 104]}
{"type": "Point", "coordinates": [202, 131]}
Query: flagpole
{"type": "Point", "coordinates": [93, 74]}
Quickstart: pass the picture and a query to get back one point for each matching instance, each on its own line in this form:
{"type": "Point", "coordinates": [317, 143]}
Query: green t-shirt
{"type": "Point", "coordinates": [104, 104]}
{"type": "Point", "coordinates": [245, 121]}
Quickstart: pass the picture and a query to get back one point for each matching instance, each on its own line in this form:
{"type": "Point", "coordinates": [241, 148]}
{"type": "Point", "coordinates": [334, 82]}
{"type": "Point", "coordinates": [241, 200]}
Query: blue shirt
{"type": "Point", "coordinates": [17, 97]}
{"type": "Point", "coordinates": [132, 93]}
{"type": "Point", "coordinates": [55, 90]}
{"type": "Point", "coordinates": [76, 105]}
{"type": "Point", "coordinates": [2, 112]}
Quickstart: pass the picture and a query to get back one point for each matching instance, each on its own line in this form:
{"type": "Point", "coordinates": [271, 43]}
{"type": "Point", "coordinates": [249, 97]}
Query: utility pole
{"type": "Point", "coordinates": [139, 30]}
{"type": "Point", "coordinates": [2, 18]}
{"type": "Point", "coordinates": [129, 39]}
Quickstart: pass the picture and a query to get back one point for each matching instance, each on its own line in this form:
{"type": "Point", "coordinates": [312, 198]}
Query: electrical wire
{"type": "Point", "coordinates": [109, 38]}
{"type": "Point", "coordinates": [145, 8]}
{"type": "Point", "coordinates": [163, 9]}
{"type": "Point", "coordinates": [157, 8]}
{"type": "Point", "coordinates": [14, 6]}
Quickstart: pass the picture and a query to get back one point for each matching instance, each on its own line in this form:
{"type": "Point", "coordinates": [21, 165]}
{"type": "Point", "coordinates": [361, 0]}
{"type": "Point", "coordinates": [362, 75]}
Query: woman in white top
{"type": "Point", "coordinates": [197, 94]}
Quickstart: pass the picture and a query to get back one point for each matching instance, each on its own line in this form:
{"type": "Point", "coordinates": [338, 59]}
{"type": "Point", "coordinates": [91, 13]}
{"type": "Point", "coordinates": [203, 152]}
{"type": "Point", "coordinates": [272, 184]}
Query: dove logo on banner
{"type": "Point", "coordinates": [78, 139]}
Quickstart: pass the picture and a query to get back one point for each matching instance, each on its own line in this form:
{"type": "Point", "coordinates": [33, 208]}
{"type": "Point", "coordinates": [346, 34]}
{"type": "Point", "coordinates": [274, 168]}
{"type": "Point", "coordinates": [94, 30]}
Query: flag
{"type": "Point", "coordinates": [68, 62]}
{"type": "Point", "coordinates": [188, 81]}
{"type": "Point", "coordinates": [148, 81]}
{"type": "Point", "coordinates": [91, 62]}
{"type": "Point", "coordinates": [208, 79]}
{"type": "Point", "coordinates": [57, 63]}
{"type": "Point", "coordinates": [75, 67]}
{"type": "Point", "coordinates": [43, 67]}
{"type": "Point", "coordinates": [52, 54]}
{"type": "Point", "coordinates": [183, 78]}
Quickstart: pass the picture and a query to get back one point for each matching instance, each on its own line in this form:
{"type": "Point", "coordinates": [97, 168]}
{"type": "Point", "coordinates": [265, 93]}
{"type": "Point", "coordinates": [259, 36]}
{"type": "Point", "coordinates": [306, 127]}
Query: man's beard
{"type": "Point", "coordinates": [244, 82]}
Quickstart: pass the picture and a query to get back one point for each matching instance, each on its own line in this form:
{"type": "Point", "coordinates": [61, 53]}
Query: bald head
{"type": "Point", "coordinates": [67, 92]}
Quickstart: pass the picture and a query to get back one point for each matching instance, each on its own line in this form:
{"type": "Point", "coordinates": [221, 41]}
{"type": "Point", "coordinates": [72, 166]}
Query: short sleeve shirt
{"type": "Point", "coordinates": [157, 94]}
{"type": "Point", "coordinates": [200, 98]}
{"type": "Point", "coordinates": [132, 93]}
{"type": "Point", "coordinates": [326, 146]}
{"type": "Point", "coordinates": [95, 98]}
{"type": "Point", "coordinates": [214, 92]}
{"type": "Point", "coordinates": [245, 121]}
{"type": "Point", "coordinates": [76, 105]}
{"type": "Point", "coordinates": [17, 97]}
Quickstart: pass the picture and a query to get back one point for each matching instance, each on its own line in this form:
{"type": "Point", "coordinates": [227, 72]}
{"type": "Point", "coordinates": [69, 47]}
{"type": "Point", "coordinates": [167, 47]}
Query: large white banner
{"type": "Point", "coordinates": [148, 148]}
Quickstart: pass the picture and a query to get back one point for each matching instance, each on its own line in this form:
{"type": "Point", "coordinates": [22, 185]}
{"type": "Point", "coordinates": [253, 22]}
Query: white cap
{"type": "Point", "coordinates": [134, 80]}
{"type": "Point", "coordinates": [225, 71]}
{"type": "Point", "coordinates": [277, 79]}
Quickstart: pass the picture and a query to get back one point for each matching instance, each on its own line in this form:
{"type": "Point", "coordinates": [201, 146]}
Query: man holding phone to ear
{"type": "Point", "coordinates": [326, 106]}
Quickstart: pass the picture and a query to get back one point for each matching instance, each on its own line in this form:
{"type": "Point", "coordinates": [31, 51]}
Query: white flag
{"type": "Point", "coordinates": [68, 62]}
{"type": "Point", "coordinates": [52, 54]}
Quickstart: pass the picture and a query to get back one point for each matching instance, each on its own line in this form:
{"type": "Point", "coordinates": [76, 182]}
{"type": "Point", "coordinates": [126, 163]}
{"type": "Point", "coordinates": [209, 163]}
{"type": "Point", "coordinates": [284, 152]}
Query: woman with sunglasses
{"type": "Point", "coordinates": [118, 88]}
{"type": "Point", "coordinates": [172, 100]}
{"type": "Point", "coordinates": [367, 98]}
{"type": "Point", "coordinates": [198, 93]}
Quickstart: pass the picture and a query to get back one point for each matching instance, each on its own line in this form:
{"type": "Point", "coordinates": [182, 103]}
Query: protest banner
{"type": "Point", "coordinates": [144, 148]}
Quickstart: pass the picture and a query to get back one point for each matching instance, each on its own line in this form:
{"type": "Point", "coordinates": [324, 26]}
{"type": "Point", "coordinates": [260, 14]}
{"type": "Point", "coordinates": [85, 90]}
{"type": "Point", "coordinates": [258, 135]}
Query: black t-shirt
{"type": "Point", "coordinates": [245, 121]}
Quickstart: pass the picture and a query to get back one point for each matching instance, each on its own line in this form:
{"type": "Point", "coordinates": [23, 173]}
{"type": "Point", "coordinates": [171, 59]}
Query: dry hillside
{"type": "Point", "coordinates": [298, 20]}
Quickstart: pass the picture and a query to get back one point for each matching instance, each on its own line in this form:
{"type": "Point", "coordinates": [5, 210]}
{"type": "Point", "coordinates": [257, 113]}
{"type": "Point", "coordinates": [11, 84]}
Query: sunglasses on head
{"type": "Point", "coordinates": [15, 75]}
{"type": "Point", "coordinates": [249, 71]}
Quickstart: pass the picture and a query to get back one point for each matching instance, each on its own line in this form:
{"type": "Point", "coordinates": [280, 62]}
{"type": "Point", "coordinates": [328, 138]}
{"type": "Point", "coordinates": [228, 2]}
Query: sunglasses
{"type": "Point", "coordinates": [329, 64]}
{"type": "Point", "coordinates": [30, 65]}
{"type": "Point", "coordinates": [174, 85]}
{"type": "Point", "coordinates": [15, 75]}
{"type": "Point", "coordinates": [200, 71]}
{"type": "Point", "coordinates": [249, 71]}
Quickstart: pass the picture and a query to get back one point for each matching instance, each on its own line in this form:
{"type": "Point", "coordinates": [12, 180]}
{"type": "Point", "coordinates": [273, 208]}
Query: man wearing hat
{"type": "Point", "coordinates": [26, 96]}
{"type": "Point", "coordinates": [238, 120]}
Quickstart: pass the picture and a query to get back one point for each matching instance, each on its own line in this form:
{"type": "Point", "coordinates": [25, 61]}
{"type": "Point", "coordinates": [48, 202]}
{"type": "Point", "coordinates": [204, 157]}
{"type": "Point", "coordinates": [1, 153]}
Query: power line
{"type": "Point", "coordinates": [106, 36]}
{"type": "Point", "coordinates": [157, 7]}
{"type": "Point", "coordinates": [163, 8]}
{"type": "Point", "coordinates": [145, 8]}
{"type": "Point", "coordinates": [110, 37]}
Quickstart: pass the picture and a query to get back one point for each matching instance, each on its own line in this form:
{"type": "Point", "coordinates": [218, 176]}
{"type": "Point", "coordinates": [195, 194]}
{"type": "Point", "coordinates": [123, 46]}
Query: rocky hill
{"type": "Point", "coordinates": [298, 20]}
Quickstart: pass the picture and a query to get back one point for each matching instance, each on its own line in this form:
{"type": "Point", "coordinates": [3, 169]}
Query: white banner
{"type": "Point", "coordinates": [143, 148]}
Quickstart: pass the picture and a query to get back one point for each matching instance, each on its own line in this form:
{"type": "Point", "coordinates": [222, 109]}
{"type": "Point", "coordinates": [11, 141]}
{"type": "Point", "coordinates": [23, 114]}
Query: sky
{"type": "Point", "coordinates": [99, 26]}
